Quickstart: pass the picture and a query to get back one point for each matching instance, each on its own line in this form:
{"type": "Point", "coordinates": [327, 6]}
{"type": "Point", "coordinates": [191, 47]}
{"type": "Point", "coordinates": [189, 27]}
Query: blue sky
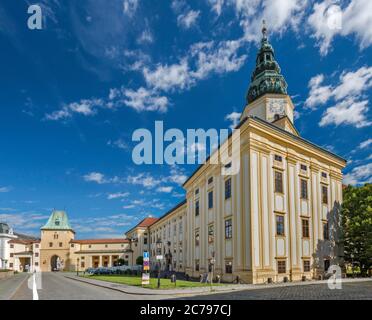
{"type": "Point", "coordinates": [72, 94]}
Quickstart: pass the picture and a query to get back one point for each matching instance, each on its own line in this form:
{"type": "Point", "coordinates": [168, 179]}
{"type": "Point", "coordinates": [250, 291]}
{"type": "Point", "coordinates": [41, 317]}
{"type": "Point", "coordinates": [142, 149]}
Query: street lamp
{"type": "Point", "coordinates": [77, 267]}
{"type": "Point", "coordinates": [159, 257]}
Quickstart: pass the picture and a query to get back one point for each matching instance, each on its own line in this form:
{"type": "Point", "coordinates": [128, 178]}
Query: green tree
{"type": "Point", "coordinates": [356, 219]}
{"type": "Point", "coordinates": [139, 260]}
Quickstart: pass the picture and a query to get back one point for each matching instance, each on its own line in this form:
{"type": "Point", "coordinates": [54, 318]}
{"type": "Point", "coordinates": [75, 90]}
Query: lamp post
{"type": "Point", "coordinates": [77, 267]}
{"type": "Point", "coordinates": [159, 257]}
{"type": "Point", "coordinates": [213, 261]}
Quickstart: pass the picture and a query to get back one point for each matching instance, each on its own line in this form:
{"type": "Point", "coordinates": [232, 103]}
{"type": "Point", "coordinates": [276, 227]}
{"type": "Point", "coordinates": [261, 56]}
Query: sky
{"type": "Point", "coordinates": [73, 92]}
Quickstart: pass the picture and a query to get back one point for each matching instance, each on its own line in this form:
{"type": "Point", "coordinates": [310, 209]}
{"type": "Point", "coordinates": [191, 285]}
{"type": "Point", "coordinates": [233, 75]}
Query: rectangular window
{"type": "Point", "coordinates": [305, 228]}
{"type": "Point", "coordinates": [36, 245]}
{"type": "Point", "coordinates": [278, 182]}
{"type": "Point", "coordinates": [279, 225]}
{"type": "Point", "coordinates": [303, 190]}
{"type": "Point", "coordinates": [210, 180]}
{"type": "Point", "coordinates": [60, 244]}
{"type": "Point", "coordinates": [82, 264]}
{"type": "Point", "coordinates": [325, 231]}
{"type": "Point", "coordinates": [72, 245]}
{"type": "Point", "coordinates": [210, 199]}
{"type": "Point", "coordinates": [10, 265]}
{"type": "Point", "coordinates": [278, 158]}
{"type": "Point", "coordinates": [144, 240]}
{"type": "Point", "coordinates": [36, 264]}
{"type": "Point", "coordinates": [303, 167]}
{"type": "Point", "coordinates": [36, 254]}
{"type": "Point", "coordinates": [306, 265]}
{"type": "Point", "coordinates": [228, 267]}
{"type": "Point", "coordinates": [227, 189]}
{"type": "Point", "coordinates": [50, 244]}
{"type": "Point", "coordinates": [197, 191]}
{"type": "Point", "coordinates": [324, 175]}
{"type": "Point", "coordinates": [281, 266]}
{"type": "Point", "coordinates": [210, 233]}
{"type": "Point", "coordinates": [324, 195]}
{"type": "Point", "coordinates": [197, 265]}
{"type": "Point", "coordinates": [11, 246]}
{"type": "Point", "coordinates": [327, 264]}
{"type": "Point", "coordinates": [197, 238]}
{"type": "Point", "coordinates": [196, 208]}
{"type": "Point", "coordinates": [228, 229]}
{"type": "Point", "coordinates": [11, 255]}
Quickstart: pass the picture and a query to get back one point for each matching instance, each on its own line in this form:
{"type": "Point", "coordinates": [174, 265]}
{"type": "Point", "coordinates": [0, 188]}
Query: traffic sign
{"type": "Point", "coordinates": [146, 255]}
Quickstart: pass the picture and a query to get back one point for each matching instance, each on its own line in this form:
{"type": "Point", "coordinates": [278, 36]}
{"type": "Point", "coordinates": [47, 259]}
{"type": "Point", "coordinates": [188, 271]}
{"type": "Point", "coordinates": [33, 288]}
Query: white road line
{"type": "Point", "coordinates": [35, 295]}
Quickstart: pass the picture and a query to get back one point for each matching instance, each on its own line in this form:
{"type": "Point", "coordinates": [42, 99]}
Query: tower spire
{"type": "Point", "coordinates": [264, 30]}
{"type": "Point", "coordinates": [266, 77]}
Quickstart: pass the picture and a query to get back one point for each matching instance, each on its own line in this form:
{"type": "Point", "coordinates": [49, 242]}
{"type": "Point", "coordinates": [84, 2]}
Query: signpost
{"type": "Point", "coordinates": [146, 268]}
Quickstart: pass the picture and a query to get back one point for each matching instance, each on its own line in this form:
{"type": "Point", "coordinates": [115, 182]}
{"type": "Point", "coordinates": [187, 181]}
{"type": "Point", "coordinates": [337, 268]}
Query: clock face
{"type": "Point", "coordinates": [277, 106]}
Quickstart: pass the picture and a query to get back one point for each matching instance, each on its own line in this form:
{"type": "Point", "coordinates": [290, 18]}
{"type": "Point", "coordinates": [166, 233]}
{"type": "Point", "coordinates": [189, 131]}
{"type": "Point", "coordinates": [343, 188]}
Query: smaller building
{"type": "Point", "coordinates": [24, 255]}
{"type": "Point", "coordinates": [6, 234]}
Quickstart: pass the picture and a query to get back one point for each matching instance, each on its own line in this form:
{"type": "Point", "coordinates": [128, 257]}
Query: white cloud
{"type": "Point", "coordinates": [170, 77]}
{"type": "Point", "coordinates": [212, 57]}
{"type": "Point", "coordinates": [365, 144]}
{"type": "Point", "coordinates": [117, 195]}
{"type": "Point", "coordinates": [356, 19]}
{"type": "Point", "coordinates": [234, 117]}
{"type": "Point", "coordinates": [95, 177]}
{"type": "Point", "coordinates": [165, 189]}
{"type": "Point", "coordinates": [347, 112]}
{"type": "Point", "coordinates": [145, 37]}
{"type": "Point", "coordinates": [188, 19]}
{"type": "Point", "coordinates": [85, 107]}
{"type": "Point", "coordinates": [130, 7]}
{"type": "Point", "coordinates": [177, 175]}
{"type": "Point", "coordinates": [120, 143]}
{"type": "Point", "coordinates": [217, 6]}
{"type": "Point", "coordinates": [351, 106]}
{"type": "Point", "coordinates": [145, 100]}
{"type": "Point", "coordinates": [359, 175]}
{"type": "Point", "coordinates": [5, 189]}
{"type": "Point", "coordinates": [146, 180]}
{"type": "Point", "coordinates": [318, 94]}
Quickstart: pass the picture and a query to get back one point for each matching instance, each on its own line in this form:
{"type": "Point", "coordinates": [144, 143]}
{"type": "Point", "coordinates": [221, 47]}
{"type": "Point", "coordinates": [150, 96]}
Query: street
{"type": "Point", "coordinates": [56, 286]}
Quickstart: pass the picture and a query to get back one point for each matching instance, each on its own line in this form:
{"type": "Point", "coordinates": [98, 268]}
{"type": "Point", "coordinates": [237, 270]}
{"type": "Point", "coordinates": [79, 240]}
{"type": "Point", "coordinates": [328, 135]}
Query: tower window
{"type": "Point", "coordinates": [278, 182]}
{"type": "Point", "coordinates": [227, 189]}
{"type": "Point", "coordinates": [304, 194]}
{"type": "Point", "coordinates": [196, 208]}
{"type": "Point", "coordinates": [324, 195]}
{"type": "Point", "coordinates": [305, 228]}
{"type": "Point", "coordinates": [281, 266]}
{"type": "Point", "coordinates": [210, 200]}
{"type": "Point", "coordinates": [279, 225]}
{"type": "Point", "coordinates": [278, 158]}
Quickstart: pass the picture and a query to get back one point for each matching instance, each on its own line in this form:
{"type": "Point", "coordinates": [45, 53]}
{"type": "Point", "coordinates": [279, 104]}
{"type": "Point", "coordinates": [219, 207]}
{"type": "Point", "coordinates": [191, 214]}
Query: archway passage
{"type": "Point", "coordinates": [55, 263]}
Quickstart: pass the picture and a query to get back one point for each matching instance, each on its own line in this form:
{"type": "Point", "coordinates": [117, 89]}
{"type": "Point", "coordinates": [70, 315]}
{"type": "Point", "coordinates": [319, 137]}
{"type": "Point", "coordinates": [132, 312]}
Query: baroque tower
{"type": "Point", "coordinates": [267, 96]}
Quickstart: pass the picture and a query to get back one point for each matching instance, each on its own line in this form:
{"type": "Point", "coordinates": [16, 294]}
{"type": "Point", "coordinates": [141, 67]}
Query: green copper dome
{"type": "Point", "coordinates": [266, 77]}
{"type": "Point", "coordinates": [58, 220]}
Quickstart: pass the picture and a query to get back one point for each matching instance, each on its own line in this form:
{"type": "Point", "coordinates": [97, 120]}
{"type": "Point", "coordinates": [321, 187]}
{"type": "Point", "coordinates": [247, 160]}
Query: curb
{"type": "Point", "coordinates": [162, 293]}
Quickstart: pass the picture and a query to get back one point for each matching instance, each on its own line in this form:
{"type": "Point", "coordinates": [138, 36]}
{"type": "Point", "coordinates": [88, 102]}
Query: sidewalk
{"type": "Point", "coordinates": [198, 290]}
{"type": "Point", "coordinates": [9, 286]}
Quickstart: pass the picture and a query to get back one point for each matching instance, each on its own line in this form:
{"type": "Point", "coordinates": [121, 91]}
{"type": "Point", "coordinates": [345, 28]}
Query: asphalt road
{"type": "Point", "coordinates": [57, 287]}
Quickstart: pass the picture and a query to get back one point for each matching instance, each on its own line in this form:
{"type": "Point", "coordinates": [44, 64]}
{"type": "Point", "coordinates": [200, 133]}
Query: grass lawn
{"type": "Point", "coordinates": [136, 281]}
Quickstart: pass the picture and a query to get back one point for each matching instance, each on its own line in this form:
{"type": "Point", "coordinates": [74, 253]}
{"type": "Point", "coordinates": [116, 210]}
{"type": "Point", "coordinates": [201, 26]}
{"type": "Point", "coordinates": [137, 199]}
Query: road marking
{"type": "Point", "coordinates": [35, 295]}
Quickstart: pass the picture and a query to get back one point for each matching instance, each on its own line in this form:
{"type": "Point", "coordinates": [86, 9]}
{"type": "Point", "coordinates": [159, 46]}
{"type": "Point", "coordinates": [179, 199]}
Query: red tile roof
{"type": "Point", "coordinates": [147, 222]}
{"type": "Point", "coordinates": [99, 241]}
{"type": "Point", "coordinates": [24, 241]}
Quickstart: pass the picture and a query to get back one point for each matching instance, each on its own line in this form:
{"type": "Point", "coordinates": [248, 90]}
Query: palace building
{"type": "Point", "coordinates": [276, 219]}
